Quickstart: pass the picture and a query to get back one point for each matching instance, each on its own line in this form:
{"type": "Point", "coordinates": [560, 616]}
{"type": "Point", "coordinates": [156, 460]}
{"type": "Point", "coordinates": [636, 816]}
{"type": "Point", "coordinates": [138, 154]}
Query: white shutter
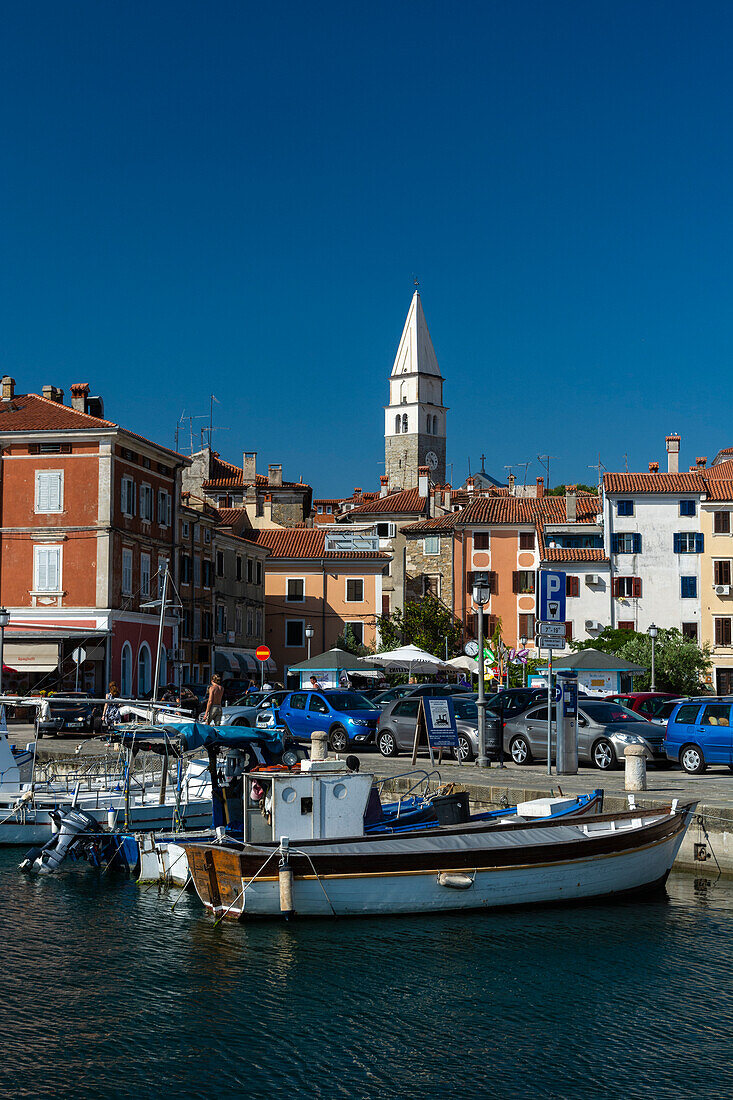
{"type": "Point", "coordinates": [168, 509]}
{"type": "Point", "coordinates": [53, 555]}
{"type": "Point", "coordinates": [47, 568]}
{"type": "Point", "coordinates": [49, 490]}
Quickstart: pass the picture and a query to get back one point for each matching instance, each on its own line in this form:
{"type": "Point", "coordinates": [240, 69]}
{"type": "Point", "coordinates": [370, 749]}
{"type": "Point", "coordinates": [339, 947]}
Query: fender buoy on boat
{"type": "Point", "coordinates": [454, 880]}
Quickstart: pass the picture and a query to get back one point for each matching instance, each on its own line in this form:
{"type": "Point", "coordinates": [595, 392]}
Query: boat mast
{"type": "Point", "coordinates": [163, 596]}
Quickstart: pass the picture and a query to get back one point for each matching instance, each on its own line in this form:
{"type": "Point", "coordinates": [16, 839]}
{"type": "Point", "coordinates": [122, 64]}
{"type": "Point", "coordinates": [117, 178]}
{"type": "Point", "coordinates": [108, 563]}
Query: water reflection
{"type": "Point", "coordinates": [105, 989]}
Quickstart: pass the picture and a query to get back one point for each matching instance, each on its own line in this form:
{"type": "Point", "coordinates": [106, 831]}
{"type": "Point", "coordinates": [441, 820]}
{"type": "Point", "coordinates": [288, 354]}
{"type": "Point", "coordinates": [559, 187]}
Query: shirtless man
{"type": "Point", "coordinates": [213, 704]}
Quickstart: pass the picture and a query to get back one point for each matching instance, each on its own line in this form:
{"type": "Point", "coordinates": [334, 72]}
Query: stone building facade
{"type": "Point", "coordinates": [267, 500]}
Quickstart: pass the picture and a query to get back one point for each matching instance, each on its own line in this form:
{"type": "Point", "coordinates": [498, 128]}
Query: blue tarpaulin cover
{"type": "Point", "coordinates": [197, 735]}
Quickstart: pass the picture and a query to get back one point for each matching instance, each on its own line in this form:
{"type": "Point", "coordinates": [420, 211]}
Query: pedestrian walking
{"type": "Point", "coordinates": [315, 686]}
{"type": "Point", "coordinates": [213, 704]}
{"type": "Point", "coordinates": [111, 714]}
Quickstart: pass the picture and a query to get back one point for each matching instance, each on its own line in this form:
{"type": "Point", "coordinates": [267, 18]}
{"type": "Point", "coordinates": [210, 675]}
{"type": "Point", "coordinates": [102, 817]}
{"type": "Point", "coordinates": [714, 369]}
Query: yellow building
{"type": "Point", "coordinates": [716, 579]}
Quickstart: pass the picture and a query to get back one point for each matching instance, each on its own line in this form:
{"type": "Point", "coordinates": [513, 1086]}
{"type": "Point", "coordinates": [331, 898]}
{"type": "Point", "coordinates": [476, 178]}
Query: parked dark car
{"type": "Point", "coordinates": [396, 732]}
{"type": "Point", "coordinates": [513, 701]}
{"type": "Point", "coordinates": [346, 716]}
{"type": "Point", "coordinates": [401, 691]}
{"type": "Point", "coordinates": [69, 715]}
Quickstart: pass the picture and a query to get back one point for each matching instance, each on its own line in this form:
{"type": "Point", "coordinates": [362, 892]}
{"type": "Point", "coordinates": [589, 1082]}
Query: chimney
{"type": "Point", "coordinates": [653, 467]}
{"type": "Point", "coordinates": [510, 482]}
{"type": "Point", "coordinates": [423, 480]}
{"type": "Point", "coordinates": [8, 388]}
{"type": "Point", "coordinates": [447, 496]}
{"type": "Point", "coordinates": [694, 469]}
{"type": "Point", "coordinates": [384, 485]}
{"type": "Point", "coordinates": [53, 393]}
{"type": "Point", "coordinates": [571, 503]}
{"type": "Point", "coordinates": [249, 467]}
{"type": "Point", "coordinates": [357, 494]}
{"type": "Point", "coordinates": [79, 394]}
{"type": "Point", "coordinates": [540, 487]}
{"type": "Point", "coordinates": [469, 484]}
{"type": "Point", "coordinates": [267, 508]}
{"type": "Point", "coordinates": [701, 462]}
{"type": "Point", "coordinates": [673, 454]}
{"type": "Point", "coordinates": [275, 474]}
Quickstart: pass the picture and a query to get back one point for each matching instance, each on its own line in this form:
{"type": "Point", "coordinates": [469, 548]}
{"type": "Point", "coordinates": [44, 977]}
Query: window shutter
{"type": "Point", "coordinates": [42, 570]}
{"type": "Point", "coordinates": [469, 581]}
{"type": "Point", "coordinates": [615, 586]}
{"type": "Point", "coordinates": [515, 581]}
{"type": "Point", "coordinates": [637, 543]}
{"type": "Point", "coordinates": [568, 632]}
{"type": "Point", "coordinates": [52, 569]}
{"type": "Point", "coordinates": [718, 631]}
{"type": "Point", "coordinates": [636, 586]}
{"type": "Point", "coordinates": [493, 583]}
{"type": "Point", "coordinates": [677, 544]}
{"type": "Point", "coordinates": [699, 543]}
{"type": "Point", "coordinates": [616, 541]}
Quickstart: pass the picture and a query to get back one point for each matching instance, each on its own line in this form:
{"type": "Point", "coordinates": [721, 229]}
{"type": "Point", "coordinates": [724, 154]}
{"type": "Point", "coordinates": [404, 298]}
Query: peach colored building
{"type": "Point", "coordinates": [322, 579]}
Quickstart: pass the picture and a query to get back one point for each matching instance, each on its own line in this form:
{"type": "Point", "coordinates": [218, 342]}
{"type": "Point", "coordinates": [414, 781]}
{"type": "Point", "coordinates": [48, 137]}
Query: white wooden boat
{"type": "Point", "coordinates": [310, 856]}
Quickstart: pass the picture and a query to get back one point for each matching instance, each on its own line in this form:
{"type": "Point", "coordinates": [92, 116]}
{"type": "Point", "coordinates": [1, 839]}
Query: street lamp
{"type": "Point", "coordinates": [481, 593]}
{"type": "Point", "coordinates": [523, 643]}
{"type": "Point", "coordinates": [309, 632]}
{"type": "Point", "coordinates": [4, 620]}
{"type": "Point", "coordinates": [653, 631]}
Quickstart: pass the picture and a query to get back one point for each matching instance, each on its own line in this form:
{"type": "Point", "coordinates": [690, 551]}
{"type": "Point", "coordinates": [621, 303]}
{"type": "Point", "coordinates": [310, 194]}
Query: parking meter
{"type": "Point", "coordinates": [567, 723]}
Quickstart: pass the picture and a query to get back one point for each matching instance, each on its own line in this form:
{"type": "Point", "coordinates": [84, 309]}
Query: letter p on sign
{"type": "Point", "coordinates": [552, 597]}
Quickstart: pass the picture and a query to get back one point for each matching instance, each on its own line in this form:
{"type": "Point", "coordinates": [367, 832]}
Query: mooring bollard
{"type": "Point", "coordinates": [319, 745]}
{"type": "Point", "coordinates": [635, 778]}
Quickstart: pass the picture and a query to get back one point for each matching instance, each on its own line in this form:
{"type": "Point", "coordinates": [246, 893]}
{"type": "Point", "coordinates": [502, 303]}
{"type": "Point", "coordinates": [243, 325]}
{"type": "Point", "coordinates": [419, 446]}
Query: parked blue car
{"type": "Point", "coordinates": [699, 732]}
{"type": "Point", "coordinates": [346, 716]}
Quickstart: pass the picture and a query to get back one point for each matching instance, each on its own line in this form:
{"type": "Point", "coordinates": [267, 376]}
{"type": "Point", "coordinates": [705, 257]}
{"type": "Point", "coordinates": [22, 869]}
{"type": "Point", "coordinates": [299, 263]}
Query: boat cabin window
{"type": "Point", "coordinates": [297, 700]}
{"type": "Point", "coordinates": [318, 704]}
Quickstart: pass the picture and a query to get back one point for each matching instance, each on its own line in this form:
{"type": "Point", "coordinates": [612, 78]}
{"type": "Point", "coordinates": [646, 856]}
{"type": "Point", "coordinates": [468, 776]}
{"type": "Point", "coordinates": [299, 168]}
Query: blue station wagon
{"type": "Point", "coordinates": [700, 733]}
{"type": "Point", "coordinates": [346, 716]}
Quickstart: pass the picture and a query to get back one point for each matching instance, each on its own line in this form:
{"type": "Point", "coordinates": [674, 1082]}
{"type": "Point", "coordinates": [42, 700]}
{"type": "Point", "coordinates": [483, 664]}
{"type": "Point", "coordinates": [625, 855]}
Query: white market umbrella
{"type": "Point", "coordinates": [465, 664]}
{"type": "Point", "coordinates": [408, 658]}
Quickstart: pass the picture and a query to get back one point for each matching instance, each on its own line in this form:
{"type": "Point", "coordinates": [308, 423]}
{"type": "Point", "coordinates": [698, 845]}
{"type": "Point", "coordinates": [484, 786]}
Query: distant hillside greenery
{"type": "Point", "coordinates": [559, 490]}
{"type": "Point", "coordinates": [680, 663]}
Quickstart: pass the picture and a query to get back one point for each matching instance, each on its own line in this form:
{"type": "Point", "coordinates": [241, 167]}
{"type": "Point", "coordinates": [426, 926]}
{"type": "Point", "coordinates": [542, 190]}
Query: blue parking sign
{"type": "Point", "coordinates": [552, 597]}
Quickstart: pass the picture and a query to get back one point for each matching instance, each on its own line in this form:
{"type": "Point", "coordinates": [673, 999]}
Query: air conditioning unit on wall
{"type": "Point", "coordinates": [593, 624]}
{"type": "Point", "coordinates": [722, 589]}
{"type": "Point", "coordinates": [592, 578]}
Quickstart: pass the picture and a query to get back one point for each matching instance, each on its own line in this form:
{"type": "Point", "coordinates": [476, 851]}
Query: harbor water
{"type": "Point", "coordinates": [106, 991]}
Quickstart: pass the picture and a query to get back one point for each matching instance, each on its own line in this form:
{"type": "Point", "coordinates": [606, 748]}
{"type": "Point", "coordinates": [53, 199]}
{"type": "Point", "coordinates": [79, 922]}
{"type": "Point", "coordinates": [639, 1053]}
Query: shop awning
{"type": "Point", "coordinates": [240, 662]}
{"type": "Point", "coordinates": [31, 656]}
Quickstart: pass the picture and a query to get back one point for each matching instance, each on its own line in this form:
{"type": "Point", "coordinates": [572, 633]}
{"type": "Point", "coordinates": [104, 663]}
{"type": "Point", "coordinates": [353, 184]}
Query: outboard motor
{"type": "Point", "coordinates": [71, 825]}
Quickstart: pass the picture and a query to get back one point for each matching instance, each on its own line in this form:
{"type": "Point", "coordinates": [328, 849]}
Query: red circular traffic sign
{"type": "Point", "coordinates": [262, 652]}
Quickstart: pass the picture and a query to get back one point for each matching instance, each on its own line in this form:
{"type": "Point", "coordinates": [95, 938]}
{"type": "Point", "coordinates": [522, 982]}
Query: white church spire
{"type": "Point", "coordinates": [416, 354]}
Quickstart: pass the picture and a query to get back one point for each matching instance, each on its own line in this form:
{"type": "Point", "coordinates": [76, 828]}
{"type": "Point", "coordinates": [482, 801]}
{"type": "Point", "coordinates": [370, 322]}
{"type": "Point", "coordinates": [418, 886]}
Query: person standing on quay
{"type": "Point", "coordinates": [213, 705]}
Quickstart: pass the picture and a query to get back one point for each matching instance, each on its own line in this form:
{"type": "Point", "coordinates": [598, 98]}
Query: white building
{"type": "Point", "coordinates": [654, 540]}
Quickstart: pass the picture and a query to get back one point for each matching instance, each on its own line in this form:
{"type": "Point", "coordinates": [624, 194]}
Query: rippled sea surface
{"type": "Point", "coordinates": [105, 991]}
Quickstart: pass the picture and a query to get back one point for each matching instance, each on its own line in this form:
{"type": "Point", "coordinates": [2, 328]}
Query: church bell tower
{"type": "Point", "coordinates": [415, 419]}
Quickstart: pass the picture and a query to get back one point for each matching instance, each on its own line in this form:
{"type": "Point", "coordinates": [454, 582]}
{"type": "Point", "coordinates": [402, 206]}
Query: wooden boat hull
{"type": "Point", "coordinates": [505, 865]}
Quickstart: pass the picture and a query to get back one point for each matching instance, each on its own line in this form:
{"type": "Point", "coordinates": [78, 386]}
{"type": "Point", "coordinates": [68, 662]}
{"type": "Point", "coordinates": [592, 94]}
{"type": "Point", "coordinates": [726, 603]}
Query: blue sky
{"type": "Point", "coordinates": [234, 198]}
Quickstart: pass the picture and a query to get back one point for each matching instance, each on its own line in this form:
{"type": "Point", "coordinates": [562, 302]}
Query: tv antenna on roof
{"type": "Point", "coordinates": [544, 461]}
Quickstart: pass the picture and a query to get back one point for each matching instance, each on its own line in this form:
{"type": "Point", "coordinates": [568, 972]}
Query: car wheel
{"type": "Point", "coordinates": [386, 743]}
{"type": "Point", "coordinates": [520, 750]}
{"type": "Point", "coordinates": [338, 739]}
{"type": "Point", "coordinates": [464, 750]}
{"type": "Point", "coordinates": [692, 760]}
{"type": "Point", "coordinates": [604, 756]}
{"type": "Point", "coordinates": [241, 722]}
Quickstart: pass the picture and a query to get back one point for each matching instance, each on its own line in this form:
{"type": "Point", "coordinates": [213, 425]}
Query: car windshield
{"type": "Point", "coordinates": [350, 700]}
{"type": "Point", "coordinates": [603, 713]}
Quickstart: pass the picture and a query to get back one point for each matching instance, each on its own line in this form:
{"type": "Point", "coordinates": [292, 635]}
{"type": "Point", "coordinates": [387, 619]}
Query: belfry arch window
{"type": "Point", "coordinates": [404, 422]}
{"type": "Point", "coordinates": [397, 424]}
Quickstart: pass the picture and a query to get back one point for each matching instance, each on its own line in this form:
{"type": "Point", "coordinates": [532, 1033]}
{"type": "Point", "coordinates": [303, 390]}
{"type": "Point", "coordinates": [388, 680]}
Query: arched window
{"type": "Point", "coordinates": [397, 424]}
{"type": "Point", "coordinates": [435, 425]}
{"type": "Point", "coordinates": [143, 669]}
{"type": "Point", "coordinates": [126, 671]}
{"type": "Point", "coordinates": [404, 422]}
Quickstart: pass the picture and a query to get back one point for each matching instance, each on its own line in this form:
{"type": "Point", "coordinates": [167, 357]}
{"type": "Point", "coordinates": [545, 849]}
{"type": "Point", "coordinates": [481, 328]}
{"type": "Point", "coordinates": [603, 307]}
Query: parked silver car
{"type": "Point", "coordinates": [246, 710]}
{"type": "Point", "coordinates": [396, 729]}
{"type": "Point", "coordinates": [604, 731]}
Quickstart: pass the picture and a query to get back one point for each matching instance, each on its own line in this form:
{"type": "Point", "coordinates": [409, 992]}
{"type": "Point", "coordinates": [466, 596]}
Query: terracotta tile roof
{"type": "Point", "coordinates": [426, 526]}
{"type": "Point", "coordinates": [305, 542]}
{"type": "Point", "coordinates": [524, 510]}
{"type": "Point", "coordinates": [231, 517]}
{"type": "Point", "coordinates": [723, 456]}
{"type": "Point", "coordinates": [29, 412]}
{"type": "Point", "coordinates": [409, 500]}
{"type": "Point", "coordinates": [654, 483]}
{"type": "Point", "coordinates": [567, 553]}
{"type": "Point", "coordinates": [720, 489]}
{"type": "Point", "coordinates": [225, 475]}
{"type": "Point", "coordinates": [722, 470]}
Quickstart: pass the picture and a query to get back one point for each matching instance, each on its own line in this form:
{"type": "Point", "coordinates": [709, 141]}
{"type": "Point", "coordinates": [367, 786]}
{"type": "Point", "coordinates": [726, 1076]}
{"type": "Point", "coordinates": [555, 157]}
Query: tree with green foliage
{"type": "Point", "coordinates": [680, 663]}
{"type": "Point", "coordinates": [560, 490]}
{"type": "Point", "coordinates": [347, 641]}
{"type": "Point", "coordinates": [425, 623]}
